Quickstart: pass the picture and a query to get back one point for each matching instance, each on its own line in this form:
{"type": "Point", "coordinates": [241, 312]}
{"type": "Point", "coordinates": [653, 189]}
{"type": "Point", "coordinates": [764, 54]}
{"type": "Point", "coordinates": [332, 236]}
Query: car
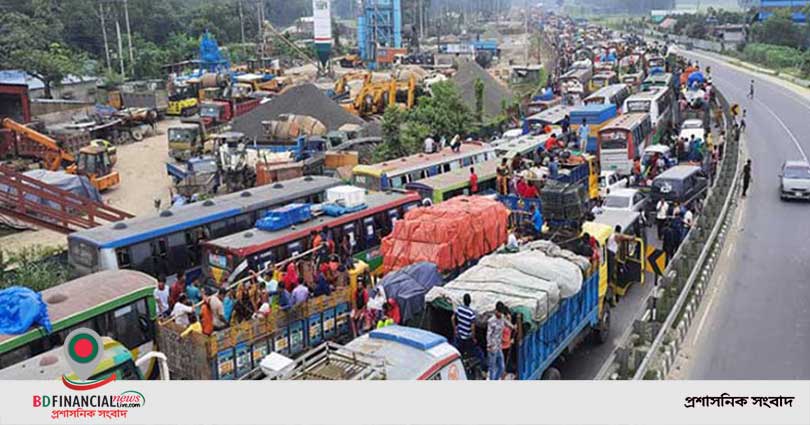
{"type": "Point", "coordinates": [626, 200]}
{"type": "Point", "coordinates": [610, 181]}
{"type": "Point", "coordinates": [794, 180]}
{"type": "Point", "coordinates": [689, 128]}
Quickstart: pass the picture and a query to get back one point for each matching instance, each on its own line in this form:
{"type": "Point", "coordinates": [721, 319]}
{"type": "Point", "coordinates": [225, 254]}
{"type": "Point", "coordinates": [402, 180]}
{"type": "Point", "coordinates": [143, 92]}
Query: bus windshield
{"type": "Point", "coordinates": [614, 140]}
{"type": "Point", "coordinates": [638, 106]}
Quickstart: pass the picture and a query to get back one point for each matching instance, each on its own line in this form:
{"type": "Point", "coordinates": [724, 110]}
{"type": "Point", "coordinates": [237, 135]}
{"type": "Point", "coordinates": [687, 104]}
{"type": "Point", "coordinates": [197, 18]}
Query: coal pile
{"type": "Point", "coordinates": [304, 99]}
{"type": "Point", "coordinates": [494, 92]}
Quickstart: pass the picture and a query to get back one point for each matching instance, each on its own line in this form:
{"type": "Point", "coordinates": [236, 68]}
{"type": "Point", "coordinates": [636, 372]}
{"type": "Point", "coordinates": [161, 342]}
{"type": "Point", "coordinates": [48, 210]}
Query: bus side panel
{"type": "Point", "coordinates": [540, 347]}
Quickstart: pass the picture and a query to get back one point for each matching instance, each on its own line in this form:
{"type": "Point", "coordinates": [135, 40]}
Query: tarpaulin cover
{"type": "Point", "coordinates": [695, 77]}
{"type": "Point", "coordinates": [20, 308]}
{"type": "Point", "coordinates": [78, 185]}
{"type": "Point", "coordinates": [409, 285]}
{"type": "Point", "coordinates": [449, 234]}
{"type": "Point", "coordinates": [529, 282]}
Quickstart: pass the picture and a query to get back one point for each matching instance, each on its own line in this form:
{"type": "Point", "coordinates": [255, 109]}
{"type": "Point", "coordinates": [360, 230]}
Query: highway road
{"type": "Point", "coordinates": [756, 322]}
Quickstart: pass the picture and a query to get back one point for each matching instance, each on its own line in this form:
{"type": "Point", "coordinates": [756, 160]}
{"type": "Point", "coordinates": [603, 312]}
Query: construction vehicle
{"type": "Point", "coordinates": [232, 161]}
{"type": "Point", "coordinates": [351, 61]}
{"type": "Point", "coordinates": [374, 97]}
{"type": "Point", "coordinates": [199, 177]}
{"type": "Point", "coordinates": [93, 161]}
{"type": "Point", "coordinates": [188, 139]}
{"type": "Point", "coordinates": [150, 94]}
{"type": "Point", "coordinates": [342, 89]}
{"type": "Point", "coordinates": [182, 100]}
{"type": "Point", "coordinates": [260, 82]}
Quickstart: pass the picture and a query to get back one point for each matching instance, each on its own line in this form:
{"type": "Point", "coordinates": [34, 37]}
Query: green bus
{"type": "Point", "coordinates": [457, 182]}
{"type": "Point", "coordinates": [118, 304]}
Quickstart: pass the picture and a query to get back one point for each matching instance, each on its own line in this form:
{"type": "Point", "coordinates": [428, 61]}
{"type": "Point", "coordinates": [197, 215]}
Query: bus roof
{"type": "Point", "coordinates": [148, 226]}
{"type": "Point", "coordinates": [254, 240]}
{"type": "Point", "coordinates": [552, 115]}
{"type": "Point", "coordinates": [458, 177]}
{"type": "Point", "coordinates": [607, 91]}
{"type": "Point", "coordinates": [659, 78]}
{"type": "Point", "coordinates": [621, 218]}
{"type": "Point", "coordinates": [524, 144]}
{"type": "Point", "coordinates": [419, 159]}
{"type": "Point", "coordinates": [79, 295]}
{"type": "Point", "coordinates": [652, 93]}
{"type": "Point", "coordinates": [625, 121]}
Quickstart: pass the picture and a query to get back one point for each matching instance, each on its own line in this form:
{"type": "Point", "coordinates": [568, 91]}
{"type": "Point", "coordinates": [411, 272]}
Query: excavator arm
{"type": "Point", "coordinates": [57, 156]}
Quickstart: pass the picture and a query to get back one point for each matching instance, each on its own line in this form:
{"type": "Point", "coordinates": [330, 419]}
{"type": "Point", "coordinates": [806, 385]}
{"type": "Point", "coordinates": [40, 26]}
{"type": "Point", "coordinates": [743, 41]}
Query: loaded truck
{"type": "Point", "coordinates": [554, 296]}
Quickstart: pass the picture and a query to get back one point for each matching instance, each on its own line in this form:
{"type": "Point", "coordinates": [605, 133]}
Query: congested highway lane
{"type": "Point", "coordinates": [757, 326]}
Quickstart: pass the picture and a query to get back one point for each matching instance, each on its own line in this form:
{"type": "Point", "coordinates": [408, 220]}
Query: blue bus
{"type": "Point", "coordinates": [168, 242]}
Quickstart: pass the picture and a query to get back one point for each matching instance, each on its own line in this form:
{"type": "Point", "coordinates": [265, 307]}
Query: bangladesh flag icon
{"type": "Point", "coordinates": [83, 350]}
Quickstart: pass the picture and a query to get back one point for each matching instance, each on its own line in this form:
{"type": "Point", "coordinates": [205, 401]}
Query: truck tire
{"type": "Point", "coordinates": [137, 134]}
{"type": "Point", "coordinates": [552, 374]}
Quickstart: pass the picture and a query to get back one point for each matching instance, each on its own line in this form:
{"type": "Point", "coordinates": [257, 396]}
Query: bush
{"type": "Point", "coordinates": [37, 267]}
{"type": "Point", "coordinates": [773, 56]}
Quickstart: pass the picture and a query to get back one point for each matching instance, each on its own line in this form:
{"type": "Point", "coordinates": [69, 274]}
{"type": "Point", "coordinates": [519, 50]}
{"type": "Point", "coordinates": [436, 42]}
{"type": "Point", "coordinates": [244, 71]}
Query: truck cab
{"type": "Point", "coordinates": [186, 139]}
{"type": "Point", "coordinates": [390, 353]}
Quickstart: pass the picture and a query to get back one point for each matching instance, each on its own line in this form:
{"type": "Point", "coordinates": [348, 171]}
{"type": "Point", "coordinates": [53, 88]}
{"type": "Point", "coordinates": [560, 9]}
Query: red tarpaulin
{"type": "Point", "coordinates": [449, 234]}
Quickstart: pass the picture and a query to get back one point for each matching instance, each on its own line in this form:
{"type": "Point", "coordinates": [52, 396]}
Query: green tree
{"type": "Point", "coordinates": [444, 112]}
{"type": "Point", "coordinates": [148, 59]}
{"type": "Point", "coordinates": [479, 100]}
{"type": "Point", "coordinates": [32, 45]}
{"type": "Point", "coordinates": [35, 267]}
{"type": "Point", "coordinates": [779, 29]}
{"type": "Point", "coordinates": [391, 147]}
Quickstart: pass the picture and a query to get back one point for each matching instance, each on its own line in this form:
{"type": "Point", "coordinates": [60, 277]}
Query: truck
{"type": "Point", "coordinates": [221, 111]}
{"type": "Point", "coordinates": [389, 353]}
{"type": "Point", "coordinates": [188, 139]}
{"type": "Point", "coordinates": [149, 94]}
{"type": "Point", "coordinates": [200, 176]}
{"type": "Point", "coordinates": [554, 296]}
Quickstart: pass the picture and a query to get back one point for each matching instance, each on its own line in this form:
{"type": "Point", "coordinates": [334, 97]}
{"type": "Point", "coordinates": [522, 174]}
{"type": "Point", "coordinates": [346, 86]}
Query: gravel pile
{"type": "Point", "coordinates": [494, 92]}
{"type": "Point", "coordinates": [304, 99]}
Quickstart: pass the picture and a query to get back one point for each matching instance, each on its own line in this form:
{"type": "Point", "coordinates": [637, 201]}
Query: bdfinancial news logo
{"type": "Point", "coordinates": [83, 351]}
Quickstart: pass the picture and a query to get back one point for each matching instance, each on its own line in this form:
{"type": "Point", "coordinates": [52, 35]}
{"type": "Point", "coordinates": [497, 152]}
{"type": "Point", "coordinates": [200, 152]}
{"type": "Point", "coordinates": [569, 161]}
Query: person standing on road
{"type": "Point", "coordinates": [661, 217]}
{"type": "Point", "coordinates": [746, 177]}
{"type": "Point", "coordinates": [671, 240]}
{"type": "Point", "coordinates": [751, 90]}
{"type": "Point", "coordinates": [495, 326]}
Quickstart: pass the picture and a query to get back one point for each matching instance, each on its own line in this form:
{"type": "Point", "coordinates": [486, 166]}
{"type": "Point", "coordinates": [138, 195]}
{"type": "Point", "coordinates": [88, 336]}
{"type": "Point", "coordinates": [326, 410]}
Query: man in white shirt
{"type": "Point", "coordinates": [162, 297]}
{"type": "Point", "coordinates": [181, 311]}
{"type": "Point", "coordinates": [661, 216]}
{"type": "Point", "coordinates": [688, 219]}
{"type": "Point", "coordinates": [512, 244]}
{"type": "Point", "coordinates": [429, 143]}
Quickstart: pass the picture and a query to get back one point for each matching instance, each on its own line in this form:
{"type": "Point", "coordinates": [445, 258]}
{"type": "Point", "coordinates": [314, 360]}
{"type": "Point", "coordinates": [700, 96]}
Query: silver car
{"type": "Point", "coordinates": [794, 180]}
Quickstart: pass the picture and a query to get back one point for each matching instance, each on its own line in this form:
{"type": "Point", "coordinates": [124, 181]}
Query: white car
{"type": "Point", "coordinates": [625, 200]}
{"type": "Point", "coordinates": [691, 128]}
{"type": "Point", "coordinates": [610, 181]}
{"type": "Point", "coordinates": [794, 180]}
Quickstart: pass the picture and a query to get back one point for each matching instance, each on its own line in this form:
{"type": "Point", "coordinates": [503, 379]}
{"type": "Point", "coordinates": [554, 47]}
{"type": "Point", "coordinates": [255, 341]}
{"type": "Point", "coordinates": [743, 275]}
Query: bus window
{"type": "Point", "coordinates": [129, 325]}
{"type": "Point", "coordinates": [243, 222]}
{"type": "Point", "coordinates": [424, 174]}
{"type": "Point", "coordinates": [218, 229]}
{"type": "Point", "coordinates": [400, 181]}
{"type": "Point", "coordinates": [122, 256]}
{"type": "Point", "coordinates": [410, 206]}
{"type": "Point", "coordinates": [178, 255]}
{"type": "Point", "coordinates": [445, 167]}
{"type": "Point", "coordinates": [393, 215]}
{"type": "Point", "coordinates": [140, 255]}
{"type": "Point", "coordinates": [82, 253]}
{"type": "Point", "coordinates": [348, 230]}
{"type": "Point", "coordinates": [193, 249]}
{"type": "Point", "coordinates": [371, 235]}
{"type": "Point", "coordinates": [125, 371]}
{"type": "Point", "coordinates": [294, 248]}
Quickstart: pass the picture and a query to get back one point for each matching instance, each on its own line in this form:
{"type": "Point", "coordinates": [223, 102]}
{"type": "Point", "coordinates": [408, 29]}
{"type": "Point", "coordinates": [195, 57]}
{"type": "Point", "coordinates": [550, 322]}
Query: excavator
{"type": "Point", "coordinates": [341, 86]}
{"type": "Point", "coordinates": [94, 161]}
{"type": "Point", "coordinates": [374, 97]}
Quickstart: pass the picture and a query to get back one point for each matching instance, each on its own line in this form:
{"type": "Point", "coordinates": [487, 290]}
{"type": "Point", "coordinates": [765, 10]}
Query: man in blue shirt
{"type": "Point", "coordinates": [584, 132]}
{"type": "Point", "coordinates": [553, 167]}
{"type": "Point", "coordinates": [193, 291]}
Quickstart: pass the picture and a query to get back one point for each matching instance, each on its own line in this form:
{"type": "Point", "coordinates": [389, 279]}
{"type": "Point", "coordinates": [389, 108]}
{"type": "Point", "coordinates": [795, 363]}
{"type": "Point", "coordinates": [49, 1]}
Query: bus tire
{"type": "Point", "coordinates": [552, 374]}
{"type": "Point", "coordinates": [602, 331]}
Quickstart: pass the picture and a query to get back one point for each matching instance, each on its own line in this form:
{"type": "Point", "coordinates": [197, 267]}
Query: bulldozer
{"type": "Point", "coordinates": [94, 161]}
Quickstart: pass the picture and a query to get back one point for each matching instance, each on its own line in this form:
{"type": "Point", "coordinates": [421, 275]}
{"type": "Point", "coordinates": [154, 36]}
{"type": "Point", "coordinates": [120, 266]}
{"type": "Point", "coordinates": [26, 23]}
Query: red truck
{"type": "Point", "coordinates": [220, 111]}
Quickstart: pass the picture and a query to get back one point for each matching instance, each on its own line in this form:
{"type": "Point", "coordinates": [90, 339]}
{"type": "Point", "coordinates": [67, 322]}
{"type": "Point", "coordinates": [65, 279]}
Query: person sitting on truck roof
{"type": "Point", "coordinates": [537, 221]}
{"type": "Point", "coordinates": [502, 177]}
{"type": "Point", "coordinates": [386, 319]}
{"type": "Point", "coordinates": [206, 315]}
{"type": "Point", "coordinates": [291, 276]}
{"type": "Point", "coordinates": [300, 294]}
{"type": "Point", "coordinates": [177, 288]}
{"type": "Point", "coordinates": [182, 310]}
{"type": "Point", "coordinates": [218, 311]}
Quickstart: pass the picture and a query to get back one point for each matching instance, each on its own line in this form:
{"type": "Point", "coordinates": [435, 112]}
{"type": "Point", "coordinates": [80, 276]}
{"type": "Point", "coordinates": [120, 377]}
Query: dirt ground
{"type": "Point", "coordinates": [142, 169]}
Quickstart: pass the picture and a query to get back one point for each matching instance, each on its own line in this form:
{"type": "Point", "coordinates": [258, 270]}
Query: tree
{"type": "Point", "coordinates": [779, 29]}
{"type": "Point", "coordinates": [479, 100]}
{"type": "Point", "coordinates": [32, 45]}
{"type": "Point", "coordinates": [444, 112]}
{"type": "Point", "coordinates": [391, 147]}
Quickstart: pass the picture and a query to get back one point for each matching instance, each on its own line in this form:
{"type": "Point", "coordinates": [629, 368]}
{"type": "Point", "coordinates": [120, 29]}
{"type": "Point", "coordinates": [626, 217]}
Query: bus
{"type": "Point", "coordinates": [396, 173]}
{"type": "Point", "coordinates": [657, 102]}
{"type": "Point", "coordinates": [119, 304]}
{"type": "Point", "coordinates": [117, 360]}
{"type": "Point", "coordinates": [552, 116]}
{"type": "Point", "coordinates": [228, 257]}
{"type": "Point", "coordinates": [613, 94]}
{"type": "Point", "coordinates": [623, 139]}
{"type": "Point", "coordinates": [602, 80]}
{"type": "Point", "coordinates": [167, 243]}
{"type": "Point", "coordinates": [457, 182]}
{"type": "Point", "coordinates": [524, 145]}
{"type": "Point", "coordinates": [658, 80]}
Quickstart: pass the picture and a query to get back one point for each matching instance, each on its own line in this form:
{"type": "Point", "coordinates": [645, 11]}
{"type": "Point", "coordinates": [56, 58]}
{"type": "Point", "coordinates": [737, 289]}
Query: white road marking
{"type": "Point", "coordinates": [705, 315]}
{"type": "Point", "coordinates": [785, 127]}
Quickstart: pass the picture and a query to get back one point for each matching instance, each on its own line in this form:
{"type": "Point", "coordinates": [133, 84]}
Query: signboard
{"type": "Point", "coordinates": [656, 260]}
{"type": "Point", "coordinates": [322, 21]}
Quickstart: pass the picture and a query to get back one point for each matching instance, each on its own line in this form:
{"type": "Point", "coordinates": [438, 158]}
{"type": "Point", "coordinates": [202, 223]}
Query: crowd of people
{"type": "Point", "coordinates": [208, 308]}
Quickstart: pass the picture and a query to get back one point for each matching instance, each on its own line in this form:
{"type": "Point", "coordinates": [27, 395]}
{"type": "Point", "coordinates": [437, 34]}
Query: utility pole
{"type": "Point", "coordinates": [120, 48]}
{"type": "Point", "coordinates": [104, 34]}
{"type": "Point", "coordinates": [241, 20]}
{"type": "Point", "coordinates": [421, 22]}
{"type": "Point", "coordinates": [129, 35]}
{"type": "Point", "coordinates": [260, 17]}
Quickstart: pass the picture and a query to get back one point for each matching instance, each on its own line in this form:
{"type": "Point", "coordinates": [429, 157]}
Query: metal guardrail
{"type": "Point", "coordinates": [732, 153]}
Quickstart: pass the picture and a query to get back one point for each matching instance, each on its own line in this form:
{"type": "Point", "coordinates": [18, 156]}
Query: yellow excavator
{"type": "Point", "coordinates": [94, 161]}
{"type": "Point", "coordinates": [341, 86]}
{"type": "Point", "coordinates": [374, 97]}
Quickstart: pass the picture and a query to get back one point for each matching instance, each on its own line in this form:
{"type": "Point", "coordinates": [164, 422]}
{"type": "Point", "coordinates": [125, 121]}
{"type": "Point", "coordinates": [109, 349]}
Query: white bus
{"type": "Point", "coordinates": [657, 102]}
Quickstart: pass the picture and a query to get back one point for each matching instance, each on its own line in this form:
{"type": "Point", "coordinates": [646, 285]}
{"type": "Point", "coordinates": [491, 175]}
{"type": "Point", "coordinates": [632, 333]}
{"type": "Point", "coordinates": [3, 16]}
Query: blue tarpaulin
{"type": "Point", "coordinates": [695, 77]}
{"type": "Point", "coordinates": [409, 285]}
{"type": "Point", "coordinates": [21, 308]}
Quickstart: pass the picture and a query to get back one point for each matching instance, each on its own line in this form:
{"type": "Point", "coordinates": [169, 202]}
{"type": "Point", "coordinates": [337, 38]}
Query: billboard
{"type": "Point", "coordinates": [321, 11]}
